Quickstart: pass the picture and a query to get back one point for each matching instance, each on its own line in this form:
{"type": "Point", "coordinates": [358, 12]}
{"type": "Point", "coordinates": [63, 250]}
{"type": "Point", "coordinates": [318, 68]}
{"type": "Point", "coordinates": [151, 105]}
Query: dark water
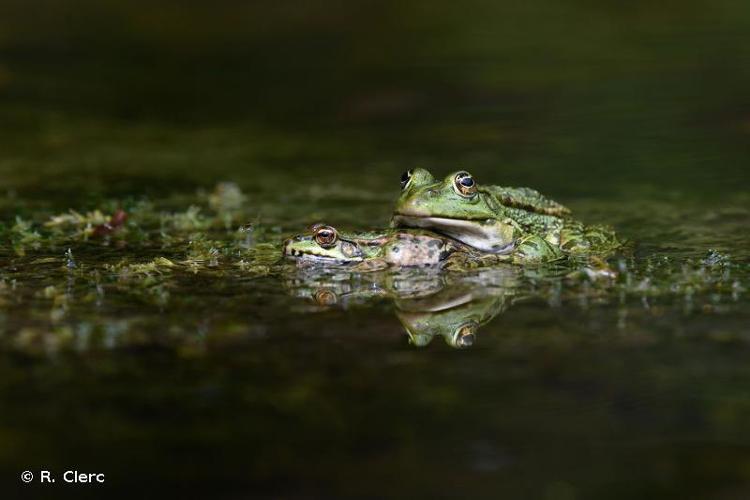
{"type": "Point", "coordinates": [222, 375]}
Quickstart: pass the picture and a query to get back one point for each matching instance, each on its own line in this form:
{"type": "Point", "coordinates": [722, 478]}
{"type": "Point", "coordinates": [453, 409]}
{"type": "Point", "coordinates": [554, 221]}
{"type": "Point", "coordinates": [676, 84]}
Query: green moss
{"type": "Point", "coordinates": [23, 237]}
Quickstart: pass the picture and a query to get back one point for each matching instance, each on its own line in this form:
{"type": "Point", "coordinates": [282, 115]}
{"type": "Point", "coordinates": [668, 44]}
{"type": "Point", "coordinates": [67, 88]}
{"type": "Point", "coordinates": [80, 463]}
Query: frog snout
{"type": "Point", "coordinates": [417, 205]}
{"type": "Point", "coordinates": [285, 246]}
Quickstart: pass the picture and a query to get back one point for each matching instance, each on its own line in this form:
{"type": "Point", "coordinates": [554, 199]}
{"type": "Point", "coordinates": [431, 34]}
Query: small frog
{"type": "Point", "coordinates": [372, 250]}
{"type": "Point", "coordinates": [376, 250]}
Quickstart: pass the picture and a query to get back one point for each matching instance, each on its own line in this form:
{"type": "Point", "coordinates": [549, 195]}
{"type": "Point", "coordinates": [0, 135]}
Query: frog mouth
{"type": "Point", "coordinates": [311, 256]}
{"type": "Point", "coordinates": [314, 257]}
{"type": "Point", "coordinates": [302, 254]}
{"type": "Point", "coordinates": [487, 235]}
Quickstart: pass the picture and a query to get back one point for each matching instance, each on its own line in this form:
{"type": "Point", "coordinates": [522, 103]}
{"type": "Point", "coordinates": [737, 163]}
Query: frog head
{"type": "Point", "coordinates": [455, 207]}
{"type": "Point", "coordinates": [323, 244]}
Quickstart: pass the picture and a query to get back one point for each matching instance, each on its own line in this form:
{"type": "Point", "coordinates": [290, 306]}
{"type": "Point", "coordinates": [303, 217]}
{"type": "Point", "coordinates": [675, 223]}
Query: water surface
{"type": "Point", "coordinates": [222, 373]}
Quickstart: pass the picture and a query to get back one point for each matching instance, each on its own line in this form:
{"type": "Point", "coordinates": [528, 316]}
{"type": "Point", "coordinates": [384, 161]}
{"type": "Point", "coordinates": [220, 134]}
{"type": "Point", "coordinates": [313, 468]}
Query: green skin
{"type": "Point", "coordinates": [456, 317]}
{"type": "Point", "coordinates": [427, 305]}
{"type": "Point", "coordinates": [494, 219]}
{"type": "Point", "coordinates": [375, 250]}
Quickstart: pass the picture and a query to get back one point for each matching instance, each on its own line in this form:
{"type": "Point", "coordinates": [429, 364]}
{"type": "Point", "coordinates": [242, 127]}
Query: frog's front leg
{"type": "Point", "coordinates": [573, 239]}
{"type": "Point", "coordinates": [533, 249]}
{"type": "Point", "coordinates": [577, 239]}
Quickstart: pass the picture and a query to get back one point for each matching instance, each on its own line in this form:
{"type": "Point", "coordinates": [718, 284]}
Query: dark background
{"type": "Point", "coordinates": [636, 114]}
{"type": "Point", "coordinates": [575, 98]}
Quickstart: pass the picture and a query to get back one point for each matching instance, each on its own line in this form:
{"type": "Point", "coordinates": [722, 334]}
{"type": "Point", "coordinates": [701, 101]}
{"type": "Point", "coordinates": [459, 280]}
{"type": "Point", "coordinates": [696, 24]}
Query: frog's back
{"type": "Point", "coordinates": [526, 199]}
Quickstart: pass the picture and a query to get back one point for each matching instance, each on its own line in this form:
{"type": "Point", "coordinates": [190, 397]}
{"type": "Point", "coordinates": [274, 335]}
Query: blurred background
{"type": "Point", "coordinates": [634, 114]}
{"type": "Point", "coordinates": [576, 98]}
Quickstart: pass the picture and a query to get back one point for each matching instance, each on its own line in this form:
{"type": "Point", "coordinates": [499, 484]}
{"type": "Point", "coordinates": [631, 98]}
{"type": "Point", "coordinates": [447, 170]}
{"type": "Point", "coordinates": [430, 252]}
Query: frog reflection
{"type": "Point", "coordinates": [426, 304]}
{"type": "Point", "coordinates": [456, 317]}
{"type": "Point", "coordinates": [344, 289]}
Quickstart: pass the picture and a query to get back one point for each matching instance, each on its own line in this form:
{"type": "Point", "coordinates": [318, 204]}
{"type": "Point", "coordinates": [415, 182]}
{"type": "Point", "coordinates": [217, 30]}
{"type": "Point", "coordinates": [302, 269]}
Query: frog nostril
{"type": "Point", "coordinates": [433, 192]}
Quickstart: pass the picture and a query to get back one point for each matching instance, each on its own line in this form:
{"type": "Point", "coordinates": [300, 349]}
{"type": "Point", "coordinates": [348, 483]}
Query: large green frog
{"type": "Point", "coordinates": [375, 250]}
{"type": "Point", "coordinates": [493, 218]}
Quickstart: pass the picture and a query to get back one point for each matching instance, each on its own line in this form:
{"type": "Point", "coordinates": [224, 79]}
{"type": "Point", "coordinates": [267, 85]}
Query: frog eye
{"type": "Point", "coordinates": [464, 184]}
{"type": "Point", "coordinates": [325, 297]}
{"type": "Point", "coordinates": [325, 236]}
{"type": "Point", "coordinates": [405, 178]}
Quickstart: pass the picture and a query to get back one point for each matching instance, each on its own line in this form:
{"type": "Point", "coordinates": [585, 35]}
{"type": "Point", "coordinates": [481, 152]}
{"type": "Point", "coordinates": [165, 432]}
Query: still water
{"type": "Point", "coordinates": [176, 354]}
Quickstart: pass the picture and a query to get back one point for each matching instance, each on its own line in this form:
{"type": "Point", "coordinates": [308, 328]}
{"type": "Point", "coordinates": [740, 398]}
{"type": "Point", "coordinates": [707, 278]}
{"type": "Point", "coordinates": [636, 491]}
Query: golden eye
{"type": "Point", "coordinates": [325, 236]}
{"type": "Point", "coordinates": [405, 178]}
{"type": "Point", "coordinates": [464, 184]}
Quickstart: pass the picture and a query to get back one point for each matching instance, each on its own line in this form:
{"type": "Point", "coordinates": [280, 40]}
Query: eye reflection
{"type": "Point", "coordinates": [465, 335]}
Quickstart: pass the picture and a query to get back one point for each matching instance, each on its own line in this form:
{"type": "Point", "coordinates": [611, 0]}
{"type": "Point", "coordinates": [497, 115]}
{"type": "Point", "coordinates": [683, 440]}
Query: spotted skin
{"type": "Point", "coordinates": [376, 249]}
{"type": "Point", "coordinates": [494, 219]}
